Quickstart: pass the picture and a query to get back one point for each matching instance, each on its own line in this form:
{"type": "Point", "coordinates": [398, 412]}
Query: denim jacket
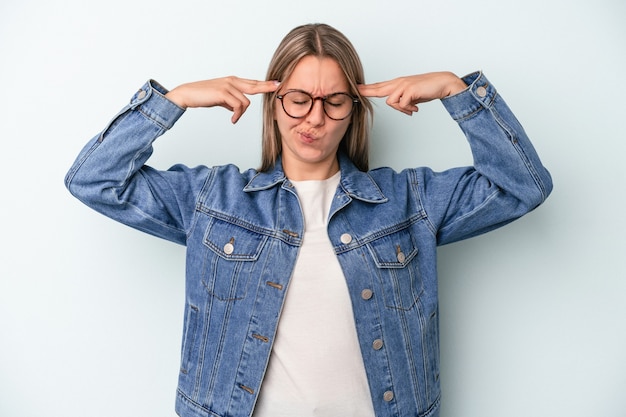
{"type": "Point", "coordinates": [243, 231]}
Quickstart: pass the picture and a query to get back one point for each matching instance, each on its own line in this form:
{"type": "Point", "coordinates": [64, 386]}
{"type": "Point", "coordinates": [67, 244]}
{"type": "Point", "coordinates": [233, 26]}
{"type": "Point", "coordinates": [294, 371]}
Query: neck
{"type": "Point", "coordinates": [308, 172]}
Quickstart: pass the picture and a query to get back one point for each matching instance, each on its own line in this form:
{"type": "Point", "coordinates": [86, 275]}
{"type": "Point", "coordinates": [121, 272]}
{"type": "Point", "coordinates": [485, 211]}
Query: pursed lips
{"type": "Point", "coordinates": [307, 137]}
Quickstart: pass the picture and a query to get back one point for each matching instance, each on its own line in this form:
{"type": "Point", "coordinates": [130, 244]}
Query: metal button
{"type": "Point", "coordinates": [290, 233]}
{"type": "Point", "coordinates": [481, 91]}
{"type": "Point", "coordinates": [388, 396]}
{"type": "Point", "coordinates": [274, 285]}
{"type": "Point", "coordinates": [261, 338]}
{"type": "Point", "coordinates": [378, 344]}
{"type": "Point", "coordinates": [247, 389]}
{"type": "Point", "coordinates": [346, 238]}
{"type": "Point", "coordinates": [229, 248]}
{"type": "Point", "coordinates": [141, 94]}
{"type": "Point", "coordinates": [401, 257]}
{"type": "Point", "coordinates": [366, 294]}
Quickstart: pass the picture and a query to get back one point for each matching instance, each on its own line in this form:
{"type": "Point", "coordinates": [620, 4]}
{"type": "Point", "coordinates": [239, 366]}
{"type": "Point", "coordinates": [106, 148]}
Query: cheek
{"type": "Point", "coordinates": [280, 116]}
{"type": "Point", "coordinates": [284, 122]}
{"type": "Point", "coordinates": [342, 129]}
{"type": "Point", "coordinates": [280, 122]}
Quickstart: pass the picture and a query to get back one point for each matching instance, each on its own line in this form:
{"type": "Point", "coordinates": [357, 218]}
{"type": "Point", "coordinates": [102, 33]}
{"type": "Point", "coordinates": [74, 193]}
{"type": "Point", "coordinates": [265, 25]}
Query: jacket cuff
{"type": "Point", "coordinates": [479, 94]}
{"type": "Point", "coordinates": [151, 101]}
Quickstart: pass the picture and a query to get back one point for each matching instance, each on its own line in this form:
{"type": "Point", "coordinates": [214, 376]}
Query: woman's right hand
{"type": "Point", "coordinates": [228, 92]}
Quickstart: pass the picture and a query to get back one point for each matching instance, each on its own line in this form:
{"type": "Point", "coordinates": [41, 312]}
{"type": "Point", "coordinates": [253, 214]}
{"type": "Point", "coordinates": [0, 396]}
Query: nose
{"type": "Point", "coordinates": [316, 116]}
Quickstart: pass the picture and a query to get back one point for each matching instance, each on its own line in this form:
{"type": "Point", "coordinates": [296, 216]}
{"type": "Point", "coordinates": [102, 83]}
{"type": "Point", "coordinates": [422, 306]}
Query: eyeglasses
{"type": "Point", "coordinates": [298, 104]}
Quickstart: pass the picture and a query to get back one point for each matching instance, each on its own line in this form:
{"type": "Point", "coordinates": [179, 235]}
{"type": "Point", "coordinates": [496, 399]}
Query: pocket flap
{"type": "Point", "coordinates": [233, 242]}
{"type": "Point", "coordinates": [394, 250]}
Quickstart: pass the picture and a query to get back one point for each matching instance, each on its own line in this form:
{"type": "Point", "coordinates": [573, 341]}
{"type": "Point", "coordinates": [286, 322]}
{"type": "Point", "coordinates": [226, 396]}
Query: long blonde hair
{"type": "Point", "coordinates": [319, 40]}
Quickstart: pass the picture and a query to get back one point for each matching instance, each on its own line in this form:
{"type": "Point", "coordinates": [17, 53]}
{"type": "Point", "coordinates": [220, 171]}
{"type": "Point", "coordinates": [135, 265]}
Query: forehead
{"type": "Point", "coordinates": [317, 75]}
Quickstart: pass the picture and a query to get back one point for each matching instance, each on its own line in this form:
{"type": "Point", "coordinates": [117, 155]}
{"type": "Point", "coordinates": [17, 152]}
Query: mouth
{"type": "Point", "coordinates": [307, 137]}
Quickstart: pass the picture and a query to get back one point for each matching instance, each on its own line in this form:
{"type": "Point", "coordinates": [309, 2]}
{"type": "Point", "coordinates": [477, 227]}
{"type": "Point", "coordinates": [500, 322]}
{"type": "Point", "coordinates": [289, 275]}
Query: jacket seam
{"type": "Point", "coordinates": [479, 207]}
{"type": "Point", "coordinates": [417, 195]}
{"type": "Point", "coordinates": [514, 142]}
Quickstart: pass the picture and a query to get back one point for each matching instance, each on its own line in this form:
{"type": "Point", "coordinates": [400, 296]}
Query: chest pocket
{"type": "Point", "coordinates": [398, 269]}
{"type": "Point", "coordinates": [231, 259]}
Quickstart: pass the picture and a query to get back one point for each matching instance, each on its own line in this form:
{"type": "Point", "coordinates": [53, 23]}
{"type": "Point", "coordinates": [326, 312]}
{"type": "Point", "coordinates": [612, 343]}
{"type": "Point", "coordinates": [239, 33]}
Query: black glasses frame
{"type": "Point", "coordinates": [355, 101]}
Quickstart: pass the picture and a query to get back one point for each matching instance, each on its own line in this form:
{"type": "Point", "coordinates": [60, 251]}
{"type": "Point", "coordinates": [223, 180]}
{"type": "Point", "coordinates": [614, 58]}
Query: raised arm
{"type": "Point", "coordinates": [507, 179]}
{"type": "Point", "coordinates": [110, 175]}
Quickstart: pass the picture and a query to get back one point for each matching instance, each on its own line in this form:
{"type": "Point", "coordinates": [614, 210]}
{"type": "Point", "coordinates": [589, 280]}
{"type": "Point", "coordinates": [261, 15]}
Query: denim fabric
{"type": "Point", "coordinates": [243, 232]}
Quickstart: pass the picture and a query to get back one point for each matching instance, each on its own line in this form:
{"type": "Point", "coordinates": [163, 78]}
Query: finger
{"type": "Point", "coordinates": [408, 102]}
{"type": "Point", "coordinates": [236, 102]}
{"type": "Point", "coordinates": [381, 89]}
{"type": "Point", "coordinates": [238, 110]}
{"type": "Point", "coordinates": [257, 87]}
{"type": "Point", "coordinates": [399, 104]}
{"type": "Point", "coordinates": [395, 101]}
{"type": "Point", "coordinates": [401, 110]}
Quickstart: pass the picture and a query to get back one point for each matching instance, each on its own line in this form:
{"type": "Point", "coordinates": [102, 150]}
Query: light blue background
{"type": "Point", "coordinates": [532, 315]}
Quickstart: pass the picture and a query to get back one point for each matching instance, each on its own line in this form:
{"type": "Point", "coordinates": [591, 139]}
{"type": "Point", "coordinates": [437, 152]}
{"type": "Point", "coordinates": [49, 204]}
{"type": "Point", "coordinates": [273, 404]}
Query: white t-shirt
{"type": "Point", "coordinates": [316, 367]}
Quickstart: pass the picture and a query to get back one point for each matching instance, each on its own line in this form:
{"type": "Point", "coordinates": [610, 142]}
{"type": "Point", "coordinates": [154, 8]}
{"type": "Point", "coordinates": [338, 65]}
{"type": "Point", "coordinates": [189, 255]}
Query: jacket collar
{"type": "Point", "coordinates": [357, 184]}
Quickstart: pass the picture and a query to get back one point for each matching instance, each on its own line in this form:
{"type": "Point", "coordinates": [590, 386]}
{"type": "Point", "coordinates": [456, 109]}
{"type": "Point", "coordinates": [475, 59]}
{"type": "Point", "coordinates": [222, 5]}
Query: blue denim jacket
{"type": "Point", "coordinates": [243, 231]}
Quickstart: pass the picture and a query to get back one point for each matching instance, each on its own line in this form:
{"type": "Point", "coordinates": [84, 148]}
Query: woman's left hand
{"type": "Point", "coordinates": [405, 93]}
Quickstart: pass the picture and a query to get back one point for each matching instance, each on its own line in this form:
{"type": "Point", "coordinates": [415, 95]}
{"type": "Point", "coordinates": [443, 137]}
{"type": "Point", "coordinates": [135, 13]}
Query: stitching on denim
{"type": "Point", "coordinates": [520, 150]}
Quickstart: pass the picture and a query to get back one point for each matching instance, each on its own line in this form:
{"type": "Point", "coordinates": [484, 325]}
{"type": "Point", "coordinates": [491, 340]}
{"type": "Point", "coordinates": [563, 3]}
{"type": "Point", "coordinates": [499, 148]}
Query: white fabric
{"type": "Point", "coordinates": [316, 368]}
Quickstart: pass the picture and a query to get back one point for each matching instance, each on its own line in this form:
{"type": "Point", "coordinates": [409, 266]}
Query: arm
{"type": "Point", "coordinates": [507, 179]}
{"type": "Point", "coordinates": [110, 175]}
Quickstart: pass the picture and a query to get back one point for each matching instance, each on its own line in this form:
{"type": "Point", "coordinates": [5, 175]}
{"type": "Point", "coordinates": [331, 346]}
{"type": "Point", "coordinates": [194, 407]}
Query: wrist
{"type": "Point", "coordinates": [455, 85]}
{"type": "Point", "coordinates": [176, 97]}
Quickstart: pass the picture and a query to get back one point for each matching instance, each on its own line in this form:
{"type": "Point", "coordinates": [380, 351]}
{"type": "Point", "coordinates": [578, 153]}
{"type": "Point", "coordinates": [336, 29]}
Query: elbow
{"type": "Point", "coordinates": [77, 187]}
{"type": "Point", "coordinates": [539, 193]}
{"type": "Point", "coordinates": [90, 192]}
{"type": "Point", "coordinates": [548, 186]}
{"type": "Point", "coordinates": [545, 185]}
{"type": "Point", "coordinates": [71, 185]}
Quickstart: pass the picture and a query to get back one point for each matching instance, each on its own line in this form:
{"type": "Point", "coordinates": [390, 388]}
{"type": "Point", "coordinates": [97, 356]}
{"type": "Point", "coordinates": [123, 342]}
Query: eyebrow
{"type": "Point", "coordinates": [310, 94]}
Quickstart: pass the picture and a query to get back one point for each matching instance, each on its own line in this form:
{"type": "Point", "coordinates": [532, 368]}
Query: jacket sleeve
{"type": "Point", "coordinates": [507, 179]}
{"type": "Point", "coordinates": [109, 174]}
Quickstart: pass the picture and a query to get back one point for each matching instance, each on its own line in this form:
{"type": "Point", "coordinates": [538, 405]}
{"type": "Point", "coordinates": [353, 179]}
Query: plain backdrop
{"type": "Point", "coordinates": [532, 315]}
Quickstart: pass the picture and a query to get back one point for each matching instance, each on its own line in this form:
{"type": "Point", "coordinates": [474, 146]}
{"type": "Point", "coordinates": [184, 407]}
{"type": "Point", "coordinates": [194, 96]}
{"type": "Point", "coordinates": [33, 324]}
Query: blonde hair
{"type": "Point", "coordinates": [319, 40]}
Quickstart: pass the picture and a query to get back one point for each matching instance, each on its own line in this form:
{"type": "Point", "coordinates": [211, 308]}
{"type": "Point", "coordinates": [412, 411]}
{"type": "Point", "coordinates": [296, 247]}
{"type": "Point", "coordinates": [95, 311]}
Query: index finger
{"type": "Point", "coordinates": [257, 87]}
{"type": "Point", "coordinates": [381, 89]}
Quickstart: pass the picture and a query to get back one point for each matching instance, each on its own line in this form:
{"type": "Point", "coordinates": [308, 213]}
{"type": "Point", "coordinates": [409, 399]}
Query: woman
{"type": "Point", "coordinates": [311, 284]}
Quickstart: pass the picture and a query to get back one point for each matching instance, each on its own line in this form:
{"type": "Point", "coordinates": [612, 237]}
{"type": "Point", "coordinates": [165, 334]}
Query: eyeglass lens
{"type": "Point", "coordinates": [336, 106]}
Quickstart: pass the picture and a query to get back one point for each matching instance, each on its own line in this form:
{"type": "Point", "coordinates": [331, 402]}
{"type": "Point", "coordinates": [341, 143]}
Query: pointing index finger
{"type": "Point", "coordinates": [374, 90]}
{"type": "Point", "coordinates": [258, 87]}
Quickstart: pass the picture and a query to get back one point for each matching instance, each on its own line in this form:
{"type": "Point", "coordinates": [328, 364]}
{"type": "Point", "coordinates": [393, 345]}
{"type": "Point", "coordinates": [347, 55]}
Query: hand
{"type": "Point", "coordinates": [228, 92]}
{"type": "Point", "coordinates": [405, 93]}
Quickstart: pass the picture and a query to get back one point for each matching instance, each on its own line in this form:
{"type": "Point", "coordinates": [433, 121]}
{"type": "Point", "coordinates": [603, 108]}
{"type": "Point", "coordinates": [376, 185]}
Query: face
{"type": "Point", "coordinates": [310, 143]}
